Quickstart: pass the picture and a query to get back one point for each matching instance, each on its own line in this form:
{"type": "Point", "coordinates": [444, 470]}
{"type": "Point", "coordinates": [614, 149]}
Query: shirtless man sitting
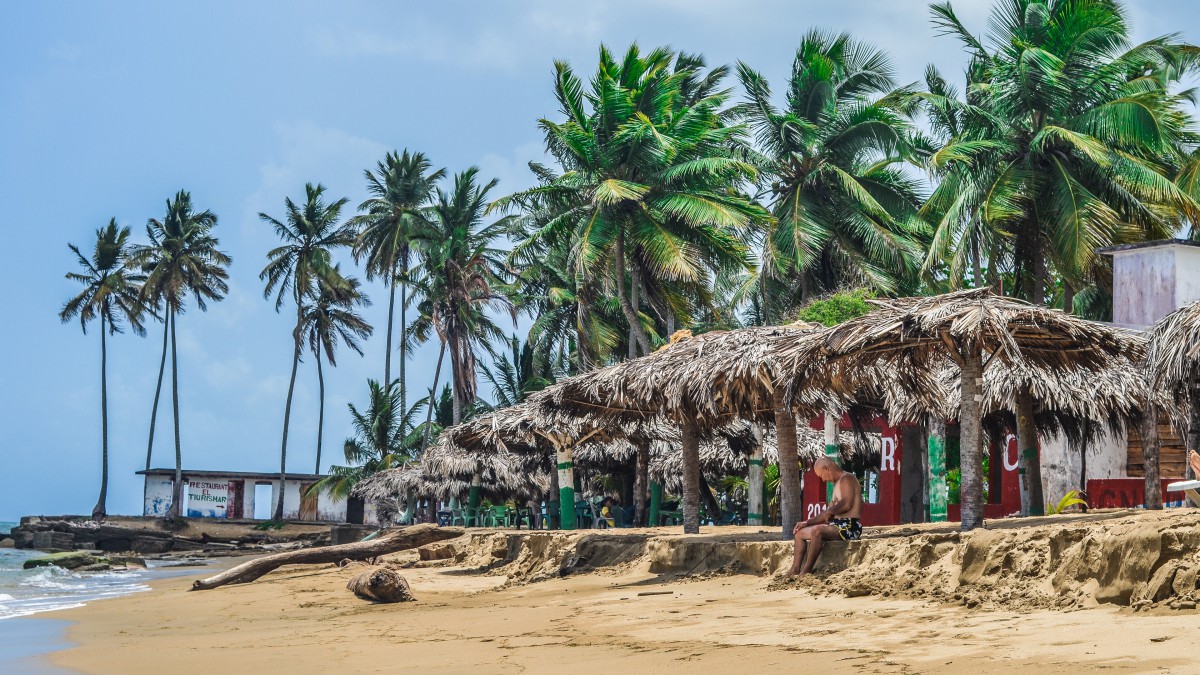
{"type": "Point", "coordinates": [1194, 460]}
{"type": "Point", "coordinates": [840, 520]}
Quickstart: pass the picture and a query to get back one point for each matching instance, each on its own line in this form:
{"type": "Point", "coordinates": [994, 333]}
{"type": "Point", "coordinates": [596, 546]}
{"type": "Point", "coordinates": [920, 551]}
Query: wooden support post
{"type": "Point", "coordinates": [691, 475]}
{"type": "Point", "coordinates": [970, 417]}
{"type": "Point", "coordinates": [475, 494]}
{"type": "Point", "coordinates": [1030, 464]}
{"type": "Point", "coordinates": [1150, 454]}
{"type": "Point", "coordinates": [939, 491]}
{"type": "Point", "coordinates": [641, 485]}
{"type": "Point", "coordinates": [790, 497]}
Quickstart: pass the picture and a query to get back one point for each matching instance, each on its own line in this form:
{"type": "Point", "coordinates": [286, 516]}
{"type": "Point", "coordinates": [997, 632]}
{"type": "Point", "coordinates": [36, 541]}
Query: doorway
{"type": "Point", "coordinates": [308, 502]}
{"type": "Point", "coordinates": [913, 484]}
{"type": "Point", "coordinates": [263, 502]}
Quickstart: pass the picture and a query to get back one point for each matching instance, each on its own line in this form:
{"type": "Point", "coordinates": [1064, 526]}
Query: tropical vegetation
{"type": "Point", "coordinates": [679, 195]}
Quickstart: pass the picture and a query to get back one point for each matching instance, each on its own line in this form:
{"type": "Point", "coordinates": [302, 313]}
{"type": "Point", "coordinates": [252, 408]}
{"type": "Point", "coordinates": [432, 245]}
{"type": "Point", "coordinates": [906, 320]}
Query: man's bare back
{"type": "Point", "coordinates": [840, 520]}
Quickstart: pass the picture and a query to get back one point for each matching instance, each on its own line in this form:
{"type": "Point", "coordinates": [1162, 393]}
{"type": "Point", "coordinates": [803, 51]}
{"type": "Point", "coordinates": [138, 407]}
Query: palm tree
{"type": "Point", "coordinates": [647, 198]}
{"type": "Point", "coordinates": [296, 269]}
{"type": "Point", "coordinates": [111, 293]}
{"type": "Point", "coordinates": [392, 220]}
{"type": "Point", "coordinates": [845, 211]}
{"type": "Point", "coordinates": [514, 378]}
{"type": "Point", "coordinates": [458, 281]}
{"type": "Point", "coordinates": [384, 438]}
{"type": "Point", "coordinates": [1067, 141]}
{"type": "Point", "coordinates": [328, 319]}
{"type": "Point", "coordinates": [181, 259]}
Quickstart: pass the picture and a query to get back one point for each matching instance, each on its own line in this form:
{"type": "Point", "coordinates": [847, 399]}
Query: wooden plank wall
{"type": "Point", "coordinates": [1172, 458]}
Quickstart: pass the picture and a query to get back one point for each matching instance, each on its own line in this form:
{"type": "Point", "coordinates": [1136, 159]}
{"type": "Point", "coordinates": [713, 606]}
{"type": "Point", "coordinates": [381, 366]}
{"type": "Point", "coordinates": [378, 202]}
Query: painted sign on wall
{"type": "Point", "coordinates": [207, 499]}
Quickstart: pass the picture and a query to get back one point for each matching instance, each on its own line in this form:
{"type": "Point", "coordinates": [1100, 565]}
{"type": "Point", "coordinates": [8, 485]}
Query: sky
{"type": "Point", "coordinates": [107, 109]}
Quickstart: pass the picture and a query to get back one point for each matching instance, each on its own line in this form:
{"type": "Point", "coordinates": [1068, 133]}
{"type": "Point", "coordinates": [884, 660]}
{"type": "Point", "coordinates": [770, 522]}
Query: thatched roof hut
{"type": "Point", "coordinates": [1173, 353]}
{"type": "Point", "coordinates": [971, 329]}
{"type": "Point", "coordinates": [1173, 368]}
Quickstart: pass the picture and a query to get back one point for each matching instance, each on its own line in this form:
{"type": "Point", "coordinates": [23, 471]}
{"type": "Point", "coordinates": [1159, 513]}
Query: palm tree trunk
{"type": "Point", "coordinates": [762, 294]}
{"type": "Point", "coordinates": [437, 372]}
{"type": "Point", "coordinates": [1150, 452]}
{"type": "Point", "coordinates": [790, 497]}
{"type": "Point", "coordinates": [403, 339]}
{"type": "Point", "coordinates": [635, 324]}
{"type": "Point", "coordinates": [691, 476]}
{"type": "Point", "coordinates": [99, 511]}
{"type": "Point", "coordinates": [971, 440]}
{"type": "Point", "coordinates": [162, 366]}
{"type": "Point", "coordinates": [976, 262]}
{"type": "Point", "coordinates": [287, 412]}
{"type": "Point", "coordinates": [177, 509]}
{"type": "Point", "coordinates": [1030, 462]}
{"type": "Point", "coordinates": [320, 409]}
{"type": "Point", "coordinates": [387, 358]}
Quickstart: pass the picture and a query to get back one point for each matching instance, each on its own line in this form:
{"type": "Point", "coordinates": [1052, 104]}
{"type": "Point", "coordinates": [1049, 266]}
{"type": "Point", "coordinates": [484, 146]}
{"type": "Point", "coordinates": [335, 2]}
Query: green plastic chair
{"type": "Point", "coordinates": [499, 516]}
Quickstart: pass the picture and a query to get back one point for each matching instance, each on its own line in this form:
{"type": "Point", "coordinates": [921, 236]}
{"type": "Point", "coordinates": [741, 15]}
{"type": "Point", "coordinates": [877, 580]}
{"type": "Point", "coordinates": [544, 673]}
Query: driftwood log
{"type": "Point", "coordinates": [399, 540]}
{"type": "Point", "coordinates": [381, 584]}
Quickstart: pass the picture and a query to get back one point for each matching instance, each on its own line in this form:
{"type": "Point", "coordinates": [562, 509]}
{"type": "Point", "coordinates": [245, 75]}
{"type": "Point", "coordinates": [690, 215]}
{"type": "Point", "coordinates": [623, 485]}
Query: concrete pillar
{"type": "Point", "coordinates": [939, 491]}
{"type": "Point", "coordinates": [566, 485]}
{"type": "Point", "coordinates": [755, 507]}
{"type": "Point", "coordinates": [655, 502]}
{"type": "Point", "coordinates": [831, 448]}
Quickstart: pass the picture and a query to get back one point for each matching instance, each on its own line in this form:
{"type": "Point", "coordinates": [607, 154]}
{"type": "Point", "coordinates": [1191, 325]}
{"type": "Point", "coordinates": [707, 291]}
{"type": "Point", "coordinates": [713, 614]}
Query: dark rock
{"type": "Point", "coordinates": [150, 545]}
{"type": "Point", "coordinates": [53, 540]}
{"type": "Point", "coordinates": [69, 560]}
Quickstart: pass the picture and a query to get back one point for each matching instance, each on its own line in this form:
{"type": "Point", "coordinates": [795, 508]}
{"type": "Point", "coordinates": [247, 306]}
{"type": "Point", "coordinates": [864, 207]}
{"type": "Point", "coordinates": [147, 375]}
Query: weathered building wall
{"type": "Point", "coordinates": [157, 496]}
{"type": "Point", "coordinates": [1151, 281]}
{"type": "Point", "coordinates": [1061, 463]}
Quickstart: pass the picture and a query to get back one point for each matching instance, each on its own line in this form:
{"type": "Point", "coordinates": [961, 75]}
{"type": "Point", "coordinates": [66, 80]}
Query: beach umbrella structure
{"type": "Point", "coordinates": [700, 384]}
{"type": "Point", "coordinates": [1173, 369]}
{"type": "Point", "coordinates": [971, 329]}
{"type": "Point", "coordinates": [447, 473]}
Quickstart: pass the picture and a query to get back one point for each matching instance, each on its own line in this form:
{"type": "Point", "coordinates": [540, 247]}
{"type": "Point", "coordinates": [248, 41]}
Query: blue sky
{"type": "Point", "coordinates": [107, 109]}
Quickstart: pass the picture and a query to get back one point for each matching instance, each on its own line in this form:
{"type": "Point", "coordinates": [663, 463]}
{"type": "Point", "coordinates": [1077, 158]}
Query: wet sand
{"type": "Point", "coordinates": [300, 620]}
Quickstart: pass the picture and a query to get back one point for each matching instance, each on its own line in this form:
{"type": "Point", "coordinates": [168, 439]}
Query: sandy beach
{"type": "Point", "coordinates": [468, 619]}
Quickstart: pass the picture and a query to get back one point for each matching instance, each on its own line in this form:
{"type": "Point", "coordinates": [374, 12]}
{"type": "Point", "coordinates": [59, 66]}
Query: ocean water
{"type": "Point", "coordinates": [45, 589]}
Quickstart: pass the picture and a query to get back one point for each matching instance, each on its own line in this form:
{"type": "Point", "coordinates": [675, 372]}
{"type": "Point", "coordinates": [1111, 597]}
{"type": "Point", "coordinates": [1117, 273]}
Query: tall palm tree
{"type": "Point", "coordinates": [181, 259]}
{"type": "Point", "coordinates": [295, 269]}
{"type": "Point", "coordinates": [845, 210]}
{"type": "Point", "coordinates": [391, 221]}
{"type": "Point", "coordinates": [516, 374]}
{"type": "Point", "coordinates": [111, 292]}
{"type": "Point", "coordinates": [647, 196]}
{"type": "Point", "coordinates": [328, 319]}
{"type": "Point", "coordinates": [1069, 140]}
{"type": "Point", "coordinates": [458, 280]}
{"type": "Point", "coordinates": [384, 438]}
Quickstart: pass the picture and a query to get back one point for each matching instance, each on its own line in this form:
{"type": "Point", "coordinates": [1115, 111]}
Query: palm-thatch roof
{"type": "Point", "coordinates": [919, 333]}
{"type": "Point", "coordinates": [714, 378]}
{"type": "Point", "coordinates": [1173, 352]}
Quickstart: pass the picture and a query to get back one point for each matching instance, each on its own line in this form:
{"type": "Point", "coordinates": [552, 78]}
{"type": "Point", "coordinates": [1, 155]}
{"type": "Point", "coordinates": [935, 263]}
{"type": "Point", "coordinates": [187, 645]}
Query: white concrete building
{"type": "Point", "coordinates": [240, 494]}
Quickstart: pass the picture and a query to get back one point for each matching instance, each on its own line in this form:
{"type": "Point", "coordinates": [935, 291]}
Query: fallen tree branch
{"type": "Point", "coordinates": [399, 540]}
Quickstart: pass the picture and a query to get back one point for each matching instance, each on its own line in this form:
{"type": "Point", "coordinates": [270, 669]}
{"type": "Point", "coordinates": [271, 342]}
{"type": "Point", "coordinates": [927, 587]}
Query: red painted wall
{"type": "Point", "coordinates": [1127, 493]}
{"type": "Point", "coordinates": [1003, 482]}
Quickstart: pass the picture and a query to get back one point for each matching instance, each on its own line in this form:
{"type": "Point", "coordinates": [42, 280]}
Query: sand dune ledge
{"type": "Point", "coordinates": [500, 603]}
